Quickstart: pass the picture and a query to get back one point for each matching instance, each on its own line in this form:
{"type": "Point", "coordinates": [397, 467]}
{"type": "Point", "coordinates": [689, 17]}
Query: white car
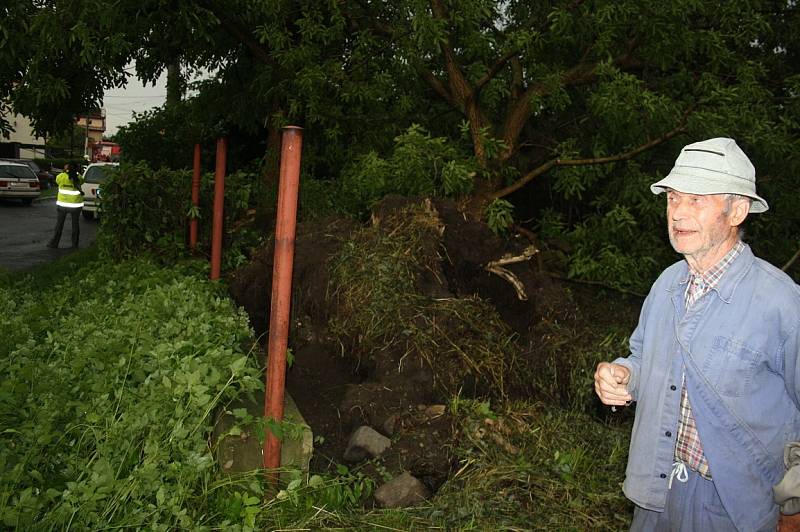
{"type": "Point", "coordinates": [18, 181]}
{"type": "Point", "coordinates": [93, 178]}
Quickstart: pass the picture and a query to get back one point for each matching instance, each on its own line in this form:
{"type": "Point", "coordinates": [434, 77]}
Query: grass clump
{"type": "Point", "coordinates": [532, 467]}
{"type": "Point", "coordinates": [569, 350]}
{"type": "Point", "coordinates": [377, 278]}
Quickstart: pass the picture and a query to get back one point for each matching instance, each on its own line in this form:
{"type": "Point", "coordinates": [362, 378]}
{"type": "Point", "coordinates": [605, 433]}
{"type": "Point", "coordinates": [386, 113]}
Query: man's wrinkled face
{"type": "Point", "coordinates": [702, 228]}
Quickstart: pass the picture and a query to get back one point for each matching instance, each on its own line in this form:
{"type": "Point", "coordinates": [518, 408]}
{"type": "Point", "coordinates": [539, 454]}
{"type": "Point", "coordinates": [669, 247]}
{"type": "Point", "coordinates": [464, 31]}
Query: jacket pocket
{"type": "Point", "coordinates": [730, 366]}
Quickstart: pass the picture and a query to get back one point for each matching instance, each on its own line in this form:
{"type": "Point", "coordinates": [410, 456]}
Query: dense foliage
{"type": "Point", "coordinates": [107, 390]}
{"type": "Point", "coordinates": [567, 110]}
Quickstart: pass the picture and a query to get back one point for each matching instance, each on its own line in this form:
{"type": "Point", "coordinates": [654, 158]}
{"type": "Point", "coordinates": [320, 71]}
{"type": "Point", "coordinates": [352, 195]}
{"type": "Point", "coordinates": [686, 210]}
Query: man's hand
{"type": "Point", "coordinates": [611, 383]}
{"type": "Point", "coordinates": [789, 523]}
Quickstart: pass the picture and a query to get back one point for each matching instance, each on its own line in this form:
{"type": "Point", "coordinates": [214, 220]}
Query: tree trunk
{"type": "Point", "coordinates": [271, 172]}
{"type": "Point", "coordinates": [174, 85]}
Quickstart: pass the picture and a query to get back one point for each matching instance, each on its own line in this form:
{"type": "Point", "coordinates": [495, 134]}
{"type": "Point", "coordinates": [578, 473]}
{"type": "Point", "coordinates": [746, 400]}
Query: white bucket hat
{"type": "Point", "coordinates": [714, 166]}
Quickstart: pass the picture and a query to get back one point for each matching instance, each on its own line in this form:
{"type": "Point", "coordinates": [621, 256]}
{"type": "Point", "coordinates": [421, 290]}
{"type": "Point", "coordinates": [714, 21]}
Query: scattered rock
{"type": "Point", "coordinates": [434, 411]}
{"type": "Point", "coordinates": [390, 425]}
{"type": "Point", "coordinates": [401, 492]}
{"type": "Point", "coordinates": [366, 442]}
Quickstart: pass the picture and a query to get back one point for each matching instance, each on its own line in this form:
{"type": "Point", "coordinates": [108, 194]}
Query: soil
{"type": "Point", "coordinates": [394, 395]}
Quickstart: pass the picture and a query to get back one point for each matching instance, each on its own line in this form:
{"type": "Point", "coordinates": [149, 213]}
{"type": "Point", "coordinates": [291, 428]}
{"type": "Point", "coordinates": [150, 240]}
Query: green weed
{"type": "Point", "coordinates": [110, 378]}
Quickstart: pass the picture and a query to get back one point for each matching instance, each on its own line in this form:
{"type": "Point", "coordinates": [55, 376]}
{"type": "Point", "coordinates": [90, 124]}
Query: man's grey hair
{"type": "Point", "coordinates": [734, 197]}
{"type": "Point", "coordinates": [729, 199]}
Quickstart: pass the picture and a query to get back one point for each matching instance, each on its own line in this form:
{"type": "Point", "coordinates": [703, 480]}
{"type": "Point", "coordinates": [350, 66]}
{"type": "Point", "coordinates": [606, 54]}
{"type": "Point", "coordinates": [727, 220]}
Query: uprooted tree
{"type": "Point", "coordinates": [566, 108]}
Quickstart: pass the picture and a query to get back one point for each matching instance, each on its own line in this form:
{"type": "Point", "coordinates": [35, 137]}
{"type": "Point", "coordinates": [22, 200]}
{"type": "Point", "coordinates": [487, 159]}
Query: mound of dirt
{"type": "Point", "coordinates": [345, 375]}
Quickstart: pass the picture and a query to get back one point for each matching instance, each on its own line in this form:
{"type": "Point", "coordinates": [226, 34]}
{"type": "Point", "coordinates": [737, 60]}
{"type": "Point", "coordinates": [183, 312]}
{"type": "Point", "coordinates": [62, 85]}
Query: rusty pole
{"type": "Point", "coordinates": [195, 197]}
{"type": "Point", "coordinates": [288, 187]}
{"type": "Point", "coordinates": [219, 200]}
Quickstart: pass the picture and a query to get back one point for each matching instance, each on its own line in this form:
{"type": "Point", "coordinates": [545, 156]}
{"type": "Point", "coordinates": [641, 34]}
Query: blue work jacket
{"type": "Point", "coordinates": [738, 346]}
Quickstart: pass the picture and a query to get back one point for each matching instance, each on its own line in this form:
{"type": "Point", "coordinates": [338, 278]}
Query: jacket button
{"type": "Point", "coordinates": [668, 434]}
{"type": "Point", "coordinates": [673, 387]}
{"type": "Point", "coordinates": [662, 475]}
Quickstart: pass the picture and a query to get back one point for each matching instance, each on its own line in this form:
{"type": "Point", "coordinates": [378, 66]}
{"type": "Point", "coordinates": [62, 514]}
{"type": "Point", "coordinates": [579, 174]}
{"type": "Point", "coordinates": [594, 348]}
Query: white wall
{"type": "Point", "coordinates": [22, 131]}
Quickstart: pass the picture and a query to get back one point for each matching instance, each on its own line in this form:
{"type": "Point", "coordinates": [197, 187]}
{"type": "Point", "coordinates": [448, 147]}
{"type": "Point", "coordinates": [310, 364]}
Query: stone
{"type": "Point", "coordinates": [366, 442]}
{"type": "Point", "coordinates": [390, 425]}
{"type": "Point", "coordinates": [240, 452]}
{"type": "Point", "coordinates": [435, 411]}
{"type": "Point", "coordinates": [402, 492]}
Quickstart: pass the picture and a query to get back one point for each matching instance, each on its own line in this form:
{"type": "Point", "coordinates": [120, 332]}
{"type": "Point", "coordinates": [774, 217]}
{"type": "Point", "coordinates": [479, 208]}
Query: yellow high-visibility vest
{"type": "Point", "coordinates": [68, 195]}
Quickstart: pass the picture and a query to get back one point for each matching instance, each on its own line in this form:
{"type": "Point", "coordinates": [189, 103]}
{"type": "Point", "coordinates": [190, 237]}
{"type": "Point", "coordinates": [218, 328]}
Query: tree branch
{"type": "Point", "coordinates": [460, 90]}
{"type": "Point", "coordinates": [459, 87]}
{"type": "Point", "coordinates": [596, 283]}
{"type": "Point", "coordinates": [536, 172]}
{"type": "Point", "coordinates": [582, 73]}
{"type": "Point", "coordinates": [494, 70]}
{"type": "Point", "coordinates": [238, 31]}
{"type": "Point", "coordinates": [373, 24]}
{"type": "Point", "coordinates": [438, 87]}
{"type": "Point", "coordinates": [516, 78]}
{"type": "Point", "coordinates": [789, 264]}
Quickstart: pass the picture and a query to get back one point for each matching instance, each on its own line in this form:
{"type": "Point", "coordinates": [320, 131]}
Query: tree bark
{"type": "Point", "coordinates": [174, 84]}
{"type": "Point", "coordinates": [272, 156]}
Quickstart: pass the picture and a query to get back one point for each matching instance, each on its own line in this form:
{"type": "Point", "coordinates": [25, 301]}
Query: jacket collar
{"type": "Point", "coordinates": [730, 280]}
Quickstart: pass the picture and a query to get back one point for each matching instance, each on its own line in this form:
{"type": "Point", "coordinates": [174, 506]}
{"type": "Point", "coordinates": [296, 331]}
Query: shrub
{"type": "Point", "coordinates": [146, 210]}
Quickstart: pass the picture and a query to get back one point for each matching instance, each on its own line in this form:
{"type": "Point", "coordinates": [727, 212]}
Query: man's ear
{"type": "Point", "coordinates": [739, 211]}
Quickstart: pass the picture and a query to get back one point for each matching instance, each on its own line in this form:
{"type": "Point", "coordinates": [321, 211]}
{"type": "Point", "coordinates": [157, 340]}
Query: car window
{"type": "Point", "coordinates": [7, 170]}
{"type": "Point", "coordinates": [31, 164]}
{"type": "Point", "coordinates": [97, 174]}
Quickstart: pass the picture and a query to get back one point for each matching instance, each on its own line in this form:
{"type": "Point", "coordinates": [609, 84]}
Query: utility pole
{"type": "Point", "coordinates": [86, 142]}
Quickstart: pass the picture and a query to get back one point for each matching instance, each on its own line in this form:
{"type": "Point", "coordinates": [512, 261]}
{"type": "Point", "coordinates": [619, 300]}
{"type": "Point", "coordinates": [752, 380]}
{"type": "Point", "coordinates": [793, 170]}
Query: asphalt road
{"type": "Point", "coordinates": [25, 231]}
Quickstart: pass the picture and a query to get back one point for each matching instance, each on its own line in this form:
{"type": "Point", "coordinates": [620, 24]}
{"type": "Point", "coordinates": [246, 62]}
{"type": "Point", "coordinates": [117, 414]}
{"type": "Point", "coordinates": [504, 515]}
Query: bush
{"type": "Point", "coordinates": [146, 210]}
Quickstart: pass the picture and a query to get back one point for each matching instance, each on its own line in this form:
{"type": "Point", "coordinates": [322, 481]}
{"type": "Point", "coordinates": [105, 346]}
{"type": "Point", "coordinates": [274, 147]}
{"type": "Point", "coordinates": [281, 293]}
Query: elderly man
{"type": "Point", "coordinates": [714, 361]}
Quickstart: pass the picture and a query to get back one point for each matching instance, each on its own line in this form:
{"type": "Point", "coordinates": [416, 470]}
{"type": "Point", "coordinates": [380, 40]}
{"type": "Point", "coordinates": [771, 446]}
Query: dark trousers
{"type": "Point", "coordinates": [692, 506]}
{"type": "Point", "coordinates": [75, 212]}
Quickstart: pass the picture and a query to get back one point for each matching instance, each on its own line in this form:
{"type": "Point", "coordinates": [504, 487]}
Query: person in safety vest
{"type": "Point", "coordinates": [69, 201]}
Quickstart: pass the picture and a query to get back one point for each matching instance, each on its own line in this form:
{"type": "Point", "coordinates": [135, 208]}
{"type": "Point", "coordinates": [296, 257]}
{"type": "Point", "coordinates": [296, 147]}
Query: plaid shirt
{"type": "Point", "coordinates": [688, 448]}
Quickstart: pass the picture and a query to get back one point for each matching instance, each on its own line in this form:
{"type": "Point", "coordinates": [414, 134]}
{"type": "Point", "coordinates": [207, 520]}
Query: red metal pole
{"type": "Point", "coordinates": [219, 200]}
{"type": "Point", "coordinates": [292, 144]}
{"type": "Point", "coordinates": [195, 197]}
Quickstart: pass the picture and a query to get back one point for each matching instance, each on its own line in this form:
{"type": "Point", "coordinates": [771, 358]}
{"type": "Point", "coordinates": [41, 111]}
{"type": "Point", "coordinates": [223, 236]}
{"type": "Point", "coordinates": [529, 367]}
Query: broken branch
{"type": "Point", "coordinates": [511, 278]}
{"type": "Point", "coordinates": [529, 252]}
{"type": "Point", "coordinates": [599, 160]}
{"type": "Point", "coordinates": [791, 261]}
{"type": "Point", "coordinates": [496, 267]}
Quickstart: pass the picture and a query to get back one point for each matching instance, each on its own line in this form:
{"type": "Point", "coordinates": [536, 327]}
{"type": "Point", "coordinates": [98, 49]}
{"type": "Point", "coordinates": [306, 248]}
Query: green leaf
{"type": "Point", "coordinates": [237, 365]}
